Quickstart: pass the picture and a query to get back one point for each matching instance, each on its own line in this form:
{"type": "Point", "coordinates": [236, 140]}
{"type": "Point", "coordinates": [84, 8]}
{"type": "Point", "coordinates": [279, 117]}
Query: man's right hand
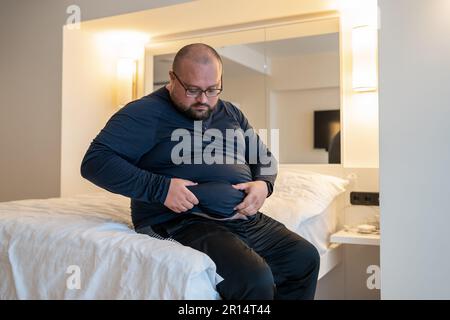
{"type": "Point", "coordinates": [179, 198]}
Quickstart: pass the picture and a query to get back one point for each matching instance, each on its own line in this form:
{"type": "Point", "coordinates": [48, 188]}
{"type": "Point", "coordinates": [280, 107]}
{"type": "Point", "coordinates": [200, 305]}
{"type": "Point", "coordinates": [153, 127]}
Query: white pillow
{"type": "Point", "coordinates": [300, 195]}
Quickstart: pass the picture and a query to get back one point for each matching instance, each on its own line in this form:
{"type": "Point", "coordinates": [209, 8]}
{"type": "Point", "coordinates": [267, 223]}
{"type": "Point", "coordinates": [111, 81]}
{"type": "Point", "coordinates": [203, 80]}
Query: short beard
{"type": "Point", "coordinates": [190, 112]}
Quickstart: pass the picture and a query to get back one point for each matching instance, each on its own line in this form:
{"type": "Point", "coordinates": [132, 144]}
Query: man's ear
{"type": "Point", "coordinates": [171, 80]}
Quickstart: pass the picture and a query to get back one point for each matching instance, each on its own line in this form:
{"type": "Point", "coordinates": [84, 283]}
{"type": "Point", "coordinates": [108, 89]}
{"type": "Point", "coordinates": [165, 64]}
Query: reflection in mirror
{"type": "Point", "coordinates": [162, 64]}
{"type": "Point", "coordinates": [291, 85]}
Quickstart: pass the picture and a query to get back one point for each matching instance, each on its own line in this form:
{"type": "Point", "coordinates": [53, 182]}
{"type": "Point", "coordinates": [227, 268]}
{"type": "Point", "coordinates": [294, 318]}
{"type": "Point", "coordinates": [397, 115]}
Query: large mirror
{"type": "Point", "coordinates": [288, 84]}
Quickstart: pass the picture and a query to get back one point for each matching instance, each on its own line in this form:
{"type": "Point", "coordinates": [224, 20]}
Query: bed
{"type": "Point", "coordinates": [84, 247]}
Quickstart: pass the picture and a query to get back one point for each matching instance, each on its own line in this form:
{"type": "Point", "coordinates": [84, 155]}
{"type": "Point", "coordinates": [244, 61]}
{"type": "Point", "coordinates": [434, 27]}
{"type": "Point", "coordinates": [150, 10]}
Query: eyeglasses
{"type": "Point", "coordinates": [195, 92]}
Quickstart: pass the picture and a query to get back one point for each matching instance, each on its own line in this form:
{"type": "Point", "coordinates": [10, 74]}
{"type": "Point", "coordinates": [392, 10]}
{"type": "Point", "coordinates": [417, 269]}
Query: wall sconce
{"type": "Point", "coordinates": [364, 58]}
{"type": "Point", "coordinates": [126, 81]}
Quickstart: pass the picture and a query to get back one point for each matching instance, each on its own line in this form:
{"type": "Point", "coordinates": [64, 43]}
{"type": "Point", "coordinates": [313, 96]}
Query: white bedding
{"type": "Point", "coordinates": [318, 229]}
{"type": "Point", "coordinates": [42, 239]}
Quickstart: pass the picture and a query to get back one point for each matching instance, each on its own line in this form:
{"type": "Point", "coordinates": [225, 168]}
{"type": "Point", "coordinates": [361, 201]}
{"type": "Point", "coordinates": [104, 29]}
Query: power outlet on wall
{"type": "Point", "coordinates": [365, 198]}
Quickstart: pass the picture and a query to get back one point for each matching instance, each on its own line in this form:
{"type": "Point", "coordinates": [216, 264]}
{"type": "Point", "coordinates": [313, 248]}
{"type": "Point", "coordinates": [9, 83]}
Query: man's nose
{"type": "Point", "coordinates": [202, 98]}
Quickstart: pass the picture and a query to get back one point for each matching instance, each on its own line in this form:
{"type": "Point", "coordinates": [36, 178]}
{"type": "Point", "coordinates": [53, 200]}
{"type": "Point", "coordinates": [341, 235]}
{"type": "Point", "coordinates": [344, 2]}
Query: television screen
{"type": "Point", "coordinates": [326, 126]}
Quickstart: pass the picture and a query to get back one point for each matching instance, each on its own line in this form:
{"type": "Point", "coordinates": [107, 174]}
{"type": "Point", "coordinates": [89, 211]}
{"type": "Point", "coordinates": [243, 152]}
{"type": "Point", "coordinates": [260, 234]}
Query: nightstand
{"type": "Point", "coordinates": [354, 237]}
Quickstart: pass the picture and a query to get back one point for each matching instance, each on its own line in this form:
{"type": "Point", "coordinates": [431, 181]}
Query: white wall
{"type": "Point", "coordinates": [414, 148]}
{"type": "Point", "coordinates": [30, 89]}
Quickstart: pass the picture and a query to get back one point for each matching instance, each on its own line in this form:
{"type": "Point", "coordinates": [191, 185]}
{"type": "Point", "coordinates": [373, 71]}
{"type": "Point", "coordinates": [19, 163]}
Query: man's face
{"type": "Point", "coordinates": [195, 76]}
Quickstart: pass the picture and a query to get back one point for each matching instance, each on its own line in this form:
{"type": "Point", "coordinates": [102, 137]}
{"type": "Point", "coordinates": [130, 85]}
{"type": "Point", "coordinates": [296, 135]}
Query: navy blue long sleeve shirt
{"type": "Point", "coordinates": [132, 155]}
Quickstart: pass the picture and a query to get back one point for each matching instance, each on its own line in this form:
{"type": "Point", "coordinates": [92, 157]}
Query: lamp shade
{"type": "Point", "coordinates": [364, 58]}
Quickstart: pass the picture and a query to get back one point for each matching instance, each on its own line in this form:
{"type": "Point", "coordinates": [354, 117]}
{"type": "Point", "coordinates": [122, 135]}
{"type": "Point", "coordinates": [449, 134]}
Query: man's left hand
{"type": "Point", "coordinates": [256, 195]}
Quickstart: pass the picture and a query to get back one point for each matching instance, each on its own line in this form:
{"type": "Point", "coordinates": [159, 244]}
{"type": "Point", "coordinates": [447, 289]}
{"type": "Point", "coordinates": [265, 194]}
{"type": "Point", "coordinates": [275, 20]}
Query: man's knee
{"type": "Point", "coordinates": [315, 257]}
{"type": "Point", "coordinates": [309, 257]}
{"type": "Point", "coordinates": [261, 283]}
{"type": "Point", "coordinates": [254, 283]}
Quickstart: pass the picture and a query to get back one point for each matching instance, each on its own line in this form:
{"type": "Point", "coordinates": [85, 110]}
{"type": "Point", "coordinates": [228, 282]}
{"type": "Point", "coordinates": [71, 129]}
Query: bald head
{"type": "Point", "coordinates": [197, 67]}
{"type": "Point", "coordinates": [199, 53]}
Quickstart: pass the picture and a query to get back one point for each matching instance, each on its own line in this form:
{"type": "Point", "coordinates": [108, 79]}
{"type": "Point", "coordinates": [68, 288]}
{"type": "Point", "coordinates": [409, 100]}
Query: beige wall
{"type": "Point", "coordinates": [30, 89]}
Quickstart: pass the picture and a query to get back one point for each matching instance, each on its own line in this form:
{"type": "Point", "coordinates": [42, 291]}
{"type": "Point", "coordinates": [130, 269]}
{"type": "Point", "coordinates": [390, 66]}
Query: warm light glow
{"type": "Point", "coordinates": [364, 58]}
{"type": "Point", "coordinates": [127, 44]}
{"type": "Point", "coordinates": [367, 109]}
{"type": "Point", "coordinates": [360, 12]}
{"type": "Point", "coordinates": [125, 49]}
{"type": "Point", "coordinates": [126, 68]}
{"type": "Point", "coordinates": [126, 81]}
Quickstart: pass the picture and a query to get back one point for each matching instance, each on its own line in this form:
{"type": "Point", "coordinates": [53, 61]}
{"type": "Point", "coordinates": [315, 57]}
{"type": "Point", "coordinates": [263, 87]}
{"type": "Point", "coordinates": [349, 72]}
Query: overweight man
{"type": "Point", "coordinates": [196, 172]}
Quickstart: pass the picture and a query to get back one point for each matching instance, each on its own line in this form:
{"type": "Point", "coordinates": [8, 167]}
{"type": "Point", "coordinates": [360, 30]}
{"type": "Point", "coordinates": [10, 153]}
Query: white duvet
{"type": "Point", "coordinates": [49, 248]}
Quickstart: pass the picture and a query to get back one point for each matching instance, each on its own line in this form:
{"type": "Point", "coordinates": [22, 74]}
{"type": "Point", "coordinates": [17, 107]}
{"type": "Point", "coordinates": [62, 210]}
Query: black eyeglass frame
{"type": "Point", "coordinates": [198, 90]}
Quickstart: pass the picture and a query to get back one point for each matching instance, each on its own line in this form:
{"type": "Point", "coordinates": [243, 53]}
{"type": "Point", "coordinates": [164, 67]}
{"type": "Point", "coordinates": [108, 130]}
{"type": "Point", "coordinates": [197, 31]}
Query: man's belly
{"type": "Point", "coordinates": [201, 173]}
{"type": "Point", "coordinates": [216, 199]}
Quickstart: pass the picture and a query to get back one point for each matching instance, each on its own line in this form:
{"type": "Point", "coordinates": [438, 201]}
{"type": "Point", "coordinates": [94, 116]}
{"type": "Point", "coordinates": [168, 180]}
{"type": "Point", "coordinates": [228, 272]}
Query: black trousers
{"type": "Point", "coordinates": [258, 258]}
